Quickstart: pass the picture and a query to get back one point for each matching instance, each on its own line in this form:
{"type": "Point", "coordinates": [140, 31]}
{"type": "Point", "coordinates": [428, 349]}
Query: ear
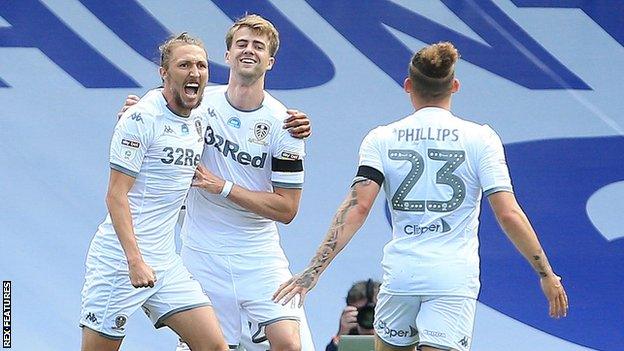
{"type": "Point", "coordinates": [271, 63]}
{"type": "Point", "coordinates": [407, 85]}
{"type": "Point", "coordinates": [455, 86]}
{"type": "Point", "coordinates": [163, 72]}
{"type": "Point", "coordinates": [227, 57]}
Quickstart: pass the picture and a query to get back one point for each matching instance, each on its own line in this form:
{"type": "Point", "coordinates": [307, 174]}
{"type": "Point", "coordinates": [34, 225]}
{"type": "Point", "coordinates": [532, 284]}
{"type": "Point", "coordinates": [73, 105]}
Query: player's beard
{"type": "Point", "coordinates": [180, 102]}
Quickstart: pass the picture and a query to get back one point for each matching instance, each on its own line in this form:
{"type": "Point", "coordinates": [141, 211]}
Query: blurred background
{"type": "Point", "coordinates": [545, 74]}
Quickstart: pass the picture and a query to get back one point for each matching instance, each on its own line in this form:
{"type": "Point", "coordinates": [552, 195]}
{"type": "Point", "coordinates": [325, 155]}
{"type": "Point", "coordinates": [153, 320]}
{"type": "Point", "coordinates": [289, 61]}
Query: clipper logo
{"type": "Point", "coordinates": [231, 149]}
{"type": "Point", "coordinates": [382, 328]}
{"type": "Point", "coordinates": [417, 230]}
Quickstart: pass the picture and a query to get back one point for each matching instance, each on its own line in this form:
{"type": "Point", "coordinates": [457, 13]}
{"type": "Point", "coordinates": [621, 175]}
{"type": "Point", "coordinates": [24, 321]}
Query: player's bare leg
{"type": "Point", "coordinates": [94, 341]}
{"type": "Point", "coordinates": [380, 345]}
{"type": "Point", "coordinates": [199, 328]}
{"type": "Point", "coordinates": [284, 335]}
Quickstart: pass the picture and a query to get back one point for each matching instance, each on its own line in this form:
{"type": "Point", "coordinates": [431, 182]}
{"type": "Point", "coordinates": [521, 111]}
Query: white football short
{"type": "Point", "coordinates": [443, 322]}
{"type": "Point", "coordinates": [109, 299]}
{"type": "Point", "coordinates": [243, 285]}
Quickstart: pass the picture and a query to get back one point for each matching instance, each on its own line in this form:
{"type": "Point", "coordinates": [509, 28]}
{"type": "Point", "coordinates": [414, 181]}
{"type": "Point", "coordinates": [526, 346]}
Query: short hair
{"type": "Point", "coordinates": [258, 25]}
{"type": "Point", "coordinates": [358, 291]}
{"type": "Point", "coordinates": [432, 70]}
{"type": "Point", "coordinates": [174, 41]}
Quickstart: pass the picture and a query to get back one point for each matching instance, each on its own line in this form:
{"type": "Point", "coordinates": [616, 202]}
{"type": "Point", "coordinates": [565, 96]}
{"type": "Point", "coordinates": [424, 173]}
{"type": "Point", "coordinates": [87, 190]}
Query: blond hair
{"type": "Point", "coordinates": [259, 26]}
{"type": "Point", "coordinates": [432, 70]}
{"type": "Point", "coordinates": [174, 41]}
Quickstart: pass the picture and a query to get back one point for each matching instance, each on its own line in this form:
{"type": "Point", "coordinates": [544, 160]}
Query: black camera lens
{"type": "Point", "coordinates": [366, 316]}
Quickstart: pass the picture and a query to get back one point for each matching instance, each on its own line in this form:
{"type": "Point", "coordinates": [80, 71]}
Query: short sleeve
{"type": "Point", "coordinates": [132, 136]}
{"type": "Point", "coordinates": [287, 154]}
{"type": "Point", "coordinates": [370, 165]}
{"type": "Point", "coordinates": [370, 154]}
{"type": "Point", "coordinates": [492, 167]}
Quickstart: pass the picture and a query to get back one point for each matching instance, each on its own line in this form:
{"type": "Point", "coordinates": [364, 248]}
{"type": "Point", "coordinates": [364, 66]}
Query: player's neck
{"type": "Point", "coordinates": [245, 96]}
{"type": "Point", "coordinates": [421, 103]}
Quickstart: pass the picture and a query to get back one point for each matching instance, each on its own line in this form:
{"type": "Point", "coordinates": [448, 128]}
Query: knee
{"type": "Point", "coordinates": [290, 345]}
{"type": "Point", "coordinates": [213, 346]}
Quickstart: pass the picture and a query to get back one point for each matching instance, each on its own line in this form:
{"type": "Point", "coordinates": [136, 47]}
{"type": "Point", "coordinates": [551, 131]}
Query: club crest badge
{"type": "Point", "coordinates": [120, 322]}
{"type": "Point", "coordinates": [261, 130]}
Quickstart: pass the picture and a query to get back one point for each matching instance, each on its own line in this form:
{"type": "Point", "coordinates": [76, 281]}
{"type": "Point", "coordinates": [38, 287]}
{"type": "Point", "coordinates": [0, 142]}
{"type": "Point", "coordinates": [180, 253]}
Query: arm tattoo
{"type": "Point", "coordinates": [540, 264]}
{"type": "Point", "coordinates": [328, 246]}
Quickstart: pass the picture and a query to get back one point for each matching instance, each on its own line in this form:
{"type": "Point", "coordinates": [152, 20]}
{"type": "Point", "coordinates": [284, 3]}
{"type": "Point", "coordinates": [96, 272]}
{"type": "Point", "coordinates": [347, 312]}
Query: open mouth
{"type": "Point", "coordinates": [248, 60]}
{"type": "Point", "coordinates": [191, 89]}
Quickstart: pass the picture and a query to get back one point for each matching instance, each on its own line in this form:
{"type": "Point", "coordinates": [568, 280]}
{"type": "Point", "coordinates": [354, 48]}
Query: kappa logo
{"type": "Point", "coordinates": [120, 322]}
{"type": "Point", "coordinates": [136, 117]}
{"type": "Point", "coordinates": [464, 341]}
{"type": "Point", "coordinates": [91, 317]}
{"type": "Point", "coordinates": [261, 130]}
{"type": "Point", "coordinates": [168, 130]}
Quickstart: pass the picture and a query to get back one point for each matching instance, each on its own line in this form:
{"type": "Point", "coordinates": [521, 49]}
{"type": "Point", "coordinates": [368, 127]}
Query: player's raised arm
{"type": "Point", "coordinates": [348, 219]}
{"type": "Point", "coordinates": [519, 230]}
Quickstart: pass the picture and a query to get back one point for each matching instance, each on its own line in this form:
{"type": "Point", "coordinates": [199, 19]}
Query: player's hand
{"type": "Point", "coordinates": [298, 124]}
{"type": "Point", "coordinates": [348, 320]}
{"type": "Point", "coordinates": [141, 275]}
{"type": "Point", "coordinates": [299, 284]}
{"type": "Point", "coordinates": [206, 180]}
{"type": "Point", "coordinates": [130, 100]}
{"type": "Point", "coordinates": [556, 295]}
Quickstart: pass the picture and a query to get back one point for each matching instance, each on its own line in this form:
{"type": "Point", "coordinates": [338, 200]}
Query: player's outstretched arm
{"type": "Point", "coordinates": [141, 275]}
{"type": "Point", "coordinates": [298, 124]}
{"type": "Point", "coordinates": [347, 220]}
{"type": "Point", "coordinates": [519, 230]}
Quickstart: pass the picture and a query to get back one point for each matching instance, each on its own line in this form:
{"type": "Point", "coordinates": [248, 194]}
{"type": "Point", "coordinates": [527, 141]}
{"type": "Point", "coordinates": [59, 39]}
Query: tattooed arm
{"type": "Point", "coordinates": [517, 227]}
{"type": "Point", "coordinates": [348, 219]}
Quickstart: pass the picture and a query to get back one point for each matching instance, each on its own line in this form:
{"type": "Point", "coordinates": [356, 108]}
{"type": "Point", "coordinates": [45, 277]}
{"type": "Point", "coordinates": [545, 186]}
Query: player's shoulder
{"type": "Point", "coordinates": [386, 131]}
{"type": "Point", "coordinates": [275, 110]}
{"type": "Point", "coordinates": [149, 108]}
{"type": "Point", "coordinates": [212, 90]}
{"type": "Point", "coordinates": [472, 127]}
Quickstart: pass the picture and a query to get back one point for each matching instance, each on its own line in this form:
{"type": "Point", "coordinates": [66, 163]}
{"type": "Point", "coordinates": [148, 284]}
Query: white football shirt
{"type": "Point", "coordinates": [435, 167]}
{"type": "Point", "coordinates": [161, 150]}
{"type": "Point", "coordinates": [252, 150]}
